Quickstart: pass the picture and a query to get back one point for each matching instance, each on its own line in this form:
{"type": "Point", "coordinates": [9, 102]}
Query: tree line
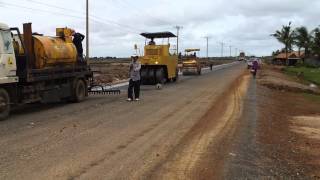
{"type": "Point", "coordinates": [300, 37]}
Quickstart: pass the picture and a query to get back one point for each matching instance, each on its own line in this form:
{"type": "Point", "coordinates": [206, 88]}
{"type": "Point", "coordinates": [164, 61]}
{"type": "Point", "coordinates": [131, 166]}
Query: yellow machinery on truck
{"type": "Point", "coordinates": [37, 68]}
{"type": "Point", "coordinates": [191, 63]}
{"type": "Point", "coordinates": [158, 65]}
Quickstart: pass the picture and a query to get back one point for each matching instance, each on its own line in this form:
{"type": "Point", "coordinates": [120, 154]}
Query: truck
{"type": "Point", "coordinates": [158, 65]}
{"type": "Point", "coordinates": [38, 68]}
{"type": "Point", "coordinates": [242, 56]}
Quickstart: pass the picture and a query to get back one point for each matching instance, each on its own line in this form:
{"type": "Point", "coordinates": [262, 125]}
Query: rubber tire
{"type": "Point", "coordinates": [175, 79]}
{"type": "Point", "coordinates": [4, 114]}
{"type": "Point", "coordinates": [79, 91]}
{"type": "Point", "coordinates": [160, 76]}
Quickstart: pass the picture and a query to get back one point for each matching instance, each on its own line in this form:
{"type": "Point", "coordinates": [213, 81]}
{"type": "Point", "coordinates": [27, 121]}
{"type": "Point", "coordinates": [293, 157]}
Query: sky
{"type": "Point", "coordinates": [115, 25]}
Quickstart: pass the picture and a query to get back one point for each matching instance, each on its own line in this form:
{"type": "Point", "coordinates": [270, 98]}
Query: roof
{"type": "Point", "coordinates": [191, 50]}
{"type": "Point", "coordinates": [4, 26]}
{"type": "Point", "coordinates": [158, 35]}
{"type": "Point", "coordinates": [291, 55]}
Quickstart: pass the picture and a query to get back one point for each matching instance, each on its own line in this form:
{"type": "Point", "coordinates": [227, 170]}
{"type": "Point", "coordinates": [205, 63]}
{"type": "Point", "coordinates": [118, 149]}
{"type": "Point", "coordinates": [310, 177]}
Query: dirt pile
{"type": "Point", "coordinates": [273, 77]}
{"type": "Point", "coordinates": [105, 73]}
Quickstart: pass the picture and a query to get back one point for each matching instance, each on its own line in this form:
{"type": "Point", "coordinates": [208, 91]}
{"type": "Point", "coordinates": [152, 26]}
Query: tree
{"type": "Point", "coordinates": [286, 37]}
{"type": "Point", "coordinates": [302, 39]}
{"type": "Point", "coordinates": [316, 41]}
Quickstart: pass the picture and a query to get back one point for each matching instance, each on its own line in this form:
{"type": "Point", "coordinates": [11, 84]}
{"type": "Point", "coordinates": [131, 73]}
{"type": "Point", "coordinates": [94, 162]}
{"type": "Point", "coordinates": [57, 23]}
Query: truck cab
{"type": "Point", "coordinates": [8, 67]}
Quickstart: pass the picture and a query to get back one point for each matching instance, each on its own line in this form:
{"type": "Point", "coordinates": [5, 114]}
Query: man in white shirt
{"type": "Point", "coordinates": [134, 83]}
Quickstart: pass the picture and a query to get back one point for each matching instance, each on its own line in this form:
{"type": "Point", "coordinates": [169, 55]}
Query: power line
{"type": "Point", "coordinates": [133, 7]}
{"type": "Point", "coordinates": [75, 11]}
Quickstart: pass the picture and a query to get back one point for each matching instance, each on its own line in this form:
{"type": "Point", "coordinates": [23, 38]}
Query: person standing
{"type": "Point", "coordinates": [77, 41]}
{"type": "Point", "coordinates": [134, 82]}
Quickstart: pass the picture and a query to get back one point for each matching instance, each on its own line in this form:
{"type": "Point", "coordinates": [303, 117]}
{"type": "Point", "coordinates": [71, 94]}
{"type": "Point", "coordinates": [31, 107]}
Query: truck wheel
{"type": "Point", "coordinates": [175, 79]}
{"type": "Point", "coordinates": [4, 104]}
{"type": "Point", "coordinates": [160, 76]}
{"type": "Point", "coordinates": [80, 89]}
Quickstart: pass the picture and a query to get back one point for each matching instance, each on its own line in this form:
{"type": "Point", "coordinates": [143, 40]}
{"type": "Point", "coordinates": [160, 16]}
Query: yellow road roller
{"type": "Point", "coordinates": [158, 65]}
{"type": "Point", "coordinates": [191, 63]}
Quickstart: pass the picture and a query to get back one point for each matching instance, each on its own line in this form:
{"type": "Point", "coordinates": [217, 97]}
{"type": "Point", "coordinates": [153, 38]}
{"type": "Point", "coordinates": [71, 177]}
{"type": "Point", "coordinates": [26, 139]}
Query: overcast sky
{"type": "Point", "coordinates": [116, 24]}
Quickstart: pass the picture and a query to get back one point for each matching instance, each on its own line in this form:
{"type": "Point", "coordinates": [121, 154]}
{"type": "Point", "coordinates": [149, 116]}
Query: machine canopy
{"type": "Point", "coordinates": [158, 35]}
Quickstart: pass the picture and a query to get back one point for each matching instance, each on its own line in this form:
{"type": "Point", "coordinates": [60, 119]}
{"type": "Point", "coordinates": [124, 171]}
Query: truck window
{"type": "Point", "coordinates": [6, 46]}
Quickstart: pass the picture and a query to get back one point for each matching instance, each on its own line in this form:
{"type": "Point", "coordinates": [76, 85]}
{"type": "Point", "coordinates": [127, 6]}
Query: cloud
{"type": "Point", "coordinates": [116, 24]}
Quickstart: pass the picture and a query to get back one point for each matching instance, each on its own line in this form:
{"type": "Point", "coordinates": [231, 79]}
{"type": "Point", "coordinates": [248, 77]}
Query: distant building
{"type": "Point", "coordinates": [290, 60]}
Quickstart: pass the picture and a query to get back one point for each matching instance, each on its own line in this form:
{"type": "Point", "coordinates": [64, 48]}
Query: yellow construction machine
{"type": "Point", "coordinates": [158, 65]}
{"type": "Point", "coordinates": [190, 63]}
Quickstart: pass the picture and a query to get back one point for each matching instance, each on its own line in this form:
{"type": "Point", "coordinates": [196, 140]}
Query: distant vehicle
{"type": "Point", "coordinates": [191, 63]}
{"type": "Point", "coordinates": [250, 62]}
{"type": "Point", "coordinates": [242, 56]}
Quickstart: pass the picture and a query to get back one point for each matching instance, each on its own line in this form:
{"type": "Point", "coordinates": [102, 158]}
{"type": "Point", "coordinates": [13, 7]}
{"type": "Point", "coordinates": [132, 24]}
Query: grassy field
{"type": "Point", "coordinates": [307, 73]}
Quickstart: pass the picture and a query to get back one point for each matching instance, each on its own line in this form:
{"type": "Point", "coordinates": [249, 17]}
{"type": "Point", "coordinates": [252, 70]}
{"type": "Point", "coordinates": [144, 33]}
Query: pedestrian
{"type": "Point", "coordinates": [255, 67]}
{"type": "Point", "coordinates": [77, 41]}
{"type": "Point", "coordinates": [134, 82]}
{"type": "Point", "coordinates": [211, 66]}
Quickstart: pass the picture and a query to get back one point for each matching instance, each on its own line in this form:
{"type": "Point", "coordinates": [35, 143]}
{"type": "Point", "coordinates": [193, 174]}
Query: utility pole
{"type": "Point", "coordinates": [230, 51]}
{"type": "Point", "coordinates": [178, 30]}
{"type": "Point", "coordinates": [87, 31]}
{"type": "Point", "coordinates": [222, 44]}
{"type": "Point", "coordinates": [207, 38]}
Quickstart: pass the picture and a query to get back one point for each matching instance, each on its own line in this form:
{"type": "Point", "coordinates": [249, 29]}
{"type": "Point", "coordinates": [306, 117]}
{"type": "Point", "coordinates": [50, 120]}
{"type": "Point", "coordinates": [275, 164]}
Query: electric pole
{"type": "Point", "coordinates": [222, 44]}
{"type": "Point", "coordinates": [178, 30]}
{"type": "Point", "coordinates": [230, 51]}
{"type": "Point", "coordinates": [207, 38]}
{"type": "Point", "coordinates": [87, 31]}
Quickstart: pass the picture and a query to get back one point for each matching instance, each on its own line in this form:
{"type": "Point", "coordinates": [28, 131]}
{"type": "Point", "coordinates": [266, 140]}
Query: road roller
{"type": "Point", "coordinates": [158, 65]}
{"type": "Point", "coordinates": [38, 68]}
{"type": "Point", "coordinates": [191, 64]}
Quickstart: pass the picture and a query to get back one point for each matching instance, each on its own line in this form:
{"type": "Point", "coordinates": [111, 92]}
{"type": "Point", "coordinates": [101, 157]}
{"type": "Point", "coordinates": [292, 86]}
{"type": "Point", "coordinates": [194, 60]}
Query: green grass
{"type": "Point", "coordinates": [309, 74]}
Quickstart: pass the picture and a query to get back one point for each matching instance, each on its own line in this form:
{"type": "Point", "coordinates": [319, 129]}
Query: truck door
{"type": "Point", "coordinates": [8, 66]}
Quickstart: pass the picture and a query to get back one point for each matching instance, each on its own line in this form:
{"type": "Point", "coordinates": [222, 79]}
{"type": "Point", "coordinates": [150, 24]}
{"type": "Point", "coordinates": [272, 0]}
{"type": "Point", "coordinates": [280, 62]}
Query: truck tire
{"type": "Point", "coordinates": [79, 91]}
{"type": "Point", "coordinates": [175, 79]}
{"type": "Point", "coordinates": [4, 104]}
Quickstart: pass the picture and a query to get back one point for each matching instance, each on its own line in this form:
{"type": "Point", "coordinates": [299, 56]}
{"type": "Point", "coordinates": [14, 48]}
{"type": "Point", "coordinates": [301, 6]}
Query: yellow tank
{"type": "Point", "coordinates": [52, 51]}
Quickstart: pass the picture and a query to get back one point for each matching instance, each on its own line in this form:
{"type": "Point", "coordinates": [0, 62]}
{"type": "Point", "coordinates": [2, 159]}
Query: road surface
{"type": "Point", "coordinates": [164, 136]}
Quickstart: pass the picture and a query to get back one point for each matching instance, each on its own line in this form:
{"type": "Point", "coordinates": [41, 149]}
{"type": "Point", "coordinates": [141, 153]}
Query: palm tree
{"type": "Point", "coordinates": [302, 39]}
{"type": "Point", "coordinates": [286, 37]}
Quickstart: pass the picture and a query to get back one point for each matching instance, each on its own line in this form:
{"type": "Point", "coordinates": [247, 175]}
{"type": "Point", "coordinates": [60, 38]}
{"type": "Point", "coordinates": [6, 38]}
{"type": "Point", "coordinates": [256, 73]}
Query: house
{"type": "Point", "coordinates": [290, 60]}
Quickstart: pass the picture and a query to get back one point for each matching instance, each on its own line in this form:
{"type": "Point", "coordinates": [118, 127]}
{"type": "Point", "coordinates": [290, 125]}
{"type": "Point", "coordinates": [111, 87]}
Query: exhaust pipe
{"type": "Point", "coordinates": [28, 42]}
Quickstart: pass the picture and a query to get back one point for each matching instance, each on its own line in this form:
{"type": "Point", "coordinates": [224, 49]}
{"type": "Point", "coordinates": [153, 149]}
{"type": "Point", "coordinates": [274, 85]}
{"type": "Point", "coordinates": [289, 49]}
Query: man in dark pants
{"type": "Point", "coordinates": [77, 41]}
{"type": "Point", "coordinates": [134, 83]}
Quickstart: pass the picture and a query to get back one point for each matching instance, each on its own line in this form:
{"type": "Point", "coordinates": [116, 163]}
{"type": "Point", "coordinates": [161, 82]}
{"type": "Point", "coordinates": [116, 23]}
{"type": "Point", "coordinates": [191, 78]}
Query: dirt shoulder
{"type": "Point", "coordinates": [278, 133]}
{"type": "Point", "coordinates": [273, 77]}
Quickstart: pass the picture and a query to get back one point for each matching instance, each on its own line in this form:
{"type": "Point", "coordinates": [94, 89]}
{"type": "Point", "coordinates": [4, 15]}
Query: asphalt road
{"type": "Point", "coordinates": [106, 137]}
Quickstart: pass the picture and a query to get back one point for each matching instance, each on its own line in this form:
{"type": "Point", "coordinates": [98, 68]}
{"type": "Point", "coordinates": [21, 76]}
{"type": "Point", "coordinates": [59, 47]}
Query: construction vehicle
{"type": "Point", "coordinates": [37, 68]}
{"type": "Point", "coordinates": [191, 63]}
{"type": "Point", "coordinates": [158, 65]}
